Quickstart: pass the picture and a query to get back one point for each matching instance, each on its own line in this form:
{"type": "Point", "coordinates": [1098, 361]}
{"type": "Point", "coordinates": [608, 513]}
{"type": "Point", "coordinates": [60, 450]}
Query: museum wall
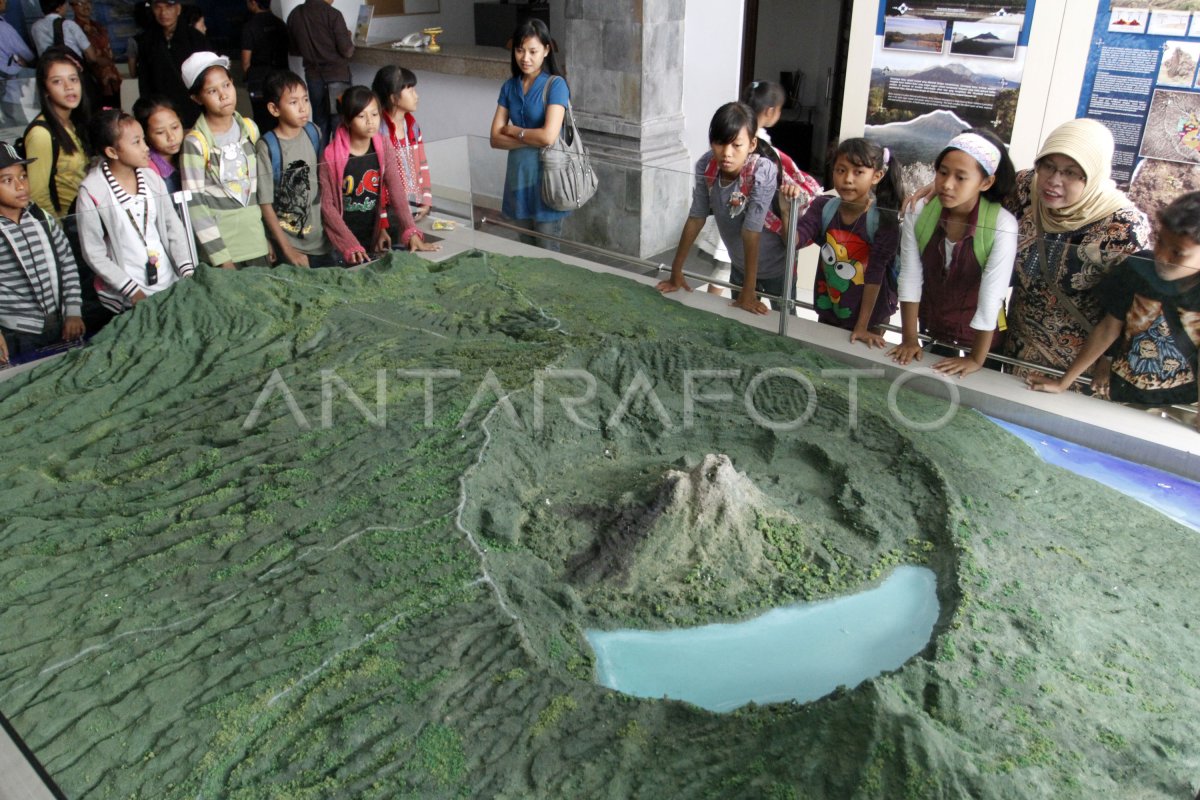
{"type": "Point", "coordinates": [712, 46]}
{"type": "Point", "coordinates": [1054, 67]}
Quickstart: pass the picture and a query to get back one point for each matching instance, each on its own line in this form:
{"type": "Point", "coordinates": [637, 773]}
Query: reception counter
{"type": "Point", "coordinates": [458, 87]}
{"type": "Point", "coordinates": [490, 63]}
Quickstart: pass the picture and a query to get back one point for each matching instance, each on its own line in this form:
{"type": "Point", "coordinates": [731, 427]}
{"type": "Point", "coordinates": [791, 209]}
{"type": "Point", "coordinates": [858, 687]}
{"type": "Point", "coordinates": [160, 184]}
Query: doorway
{"type": "Point", "coordinates": [809, 40]}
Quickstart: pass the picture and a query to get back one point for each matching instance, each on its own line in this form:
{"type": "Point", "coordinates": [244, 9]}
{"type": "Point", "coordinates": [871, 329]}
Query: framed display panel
{"type": "Point", "coordinates": [392, 8]}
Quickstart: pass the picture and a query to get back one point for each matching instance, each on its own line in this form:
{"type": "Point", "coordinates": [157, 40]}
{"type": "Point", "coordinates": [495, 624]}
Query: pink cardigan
{"type": "Point", "coordinates": [333, 164]}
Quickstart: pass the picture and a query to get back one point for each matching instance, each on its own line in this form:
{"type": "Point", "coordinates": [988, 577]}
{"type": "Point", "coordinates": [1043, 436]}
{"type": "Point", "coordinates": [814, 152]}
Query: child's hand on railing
{"type": "Point", "coordinates": [906, 352]}
{"type": "Point", "coordinates": [417, 244]}
{"type": "Point", "coordinates": [673, 285]}
{"type": "Point", "coordinates": [748, 301]}
{"type": "Point", "coordinates": [868, 337]}
{"type": "Point", "coordinates": [962, 366]}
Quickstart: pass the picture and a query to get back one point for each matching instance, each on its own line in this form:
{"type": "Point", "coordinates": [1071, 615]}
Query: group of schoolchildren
{"type": "Point", "coordinates": [283, 198]}
{"type": "Point", "coordinates": [947, 263]}
{"type": "Point", "coordinates": [119, 225]}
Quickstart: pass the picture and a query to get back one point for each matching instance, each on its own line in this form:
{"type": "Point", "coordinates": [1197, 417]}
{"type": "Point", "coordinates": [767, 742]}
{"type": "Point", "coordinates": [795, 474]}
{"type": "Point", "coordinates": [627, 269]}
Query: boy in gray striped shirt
{"type": "Point", "coordinates": [40, 302]}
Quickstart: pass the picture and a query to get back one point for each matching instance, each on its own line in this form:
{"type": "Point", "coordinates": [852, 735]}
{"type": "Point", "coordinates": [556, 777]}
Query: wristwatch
{"type": "Point", "coordinates": [521, 135]}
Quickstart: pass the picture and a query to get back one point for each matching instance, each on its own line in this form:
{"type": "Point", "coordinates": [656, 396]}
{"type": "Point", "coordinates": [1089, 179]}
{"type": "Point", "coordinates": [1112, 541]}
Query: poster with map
{"type": "Point", "coordinates": [940, 67]}
{"type": "Point", "coordinates": [1141, 82]}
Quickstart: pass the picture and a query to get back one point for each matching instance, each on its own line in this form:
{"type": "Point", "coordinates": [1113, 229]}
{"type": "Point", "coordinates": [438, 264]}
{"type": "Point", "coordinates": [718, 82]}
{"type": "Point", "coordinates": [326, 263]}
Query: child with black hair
{"type": "Point", "coordinates": [130, 233]}
{"type": "Point", "coordinates": [56, 140]}
{"type": "Point", "coordinates": [736, 182]}
{"type": "Point", "coordinates": [956, 254]}
{"type": "Point", "coordinates": [288, 186]}
{"type": "Point", "coordinates": [1152, 305]}
{"type": "Point", "coordinates": [40, 302]}
{"type": "Point", "coordinates": [357, 164]}
{"type": "Point", "coordinates": [859, 234]}
{"type": "Point", "coordinates": [396, 88]}
{"type": "Point", "coordinates": [766, 98]}
{"type": "Point", "coordinates": [164, 134]}
{"type": "Point", "coordinates": [220, 170]}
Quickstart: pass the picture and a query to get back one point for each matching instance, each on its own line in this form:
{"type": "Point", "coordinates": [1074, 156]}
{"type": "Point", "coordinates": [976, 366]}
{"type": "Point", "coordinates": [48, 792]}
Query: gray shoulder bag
{"type": "Point", "coordinates": [568, 180]}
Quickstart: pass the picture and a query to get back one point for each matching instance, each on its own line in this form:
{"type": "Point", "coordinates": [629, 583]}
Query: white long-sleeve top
{"type": "Point", "coordinates": [997, 272]}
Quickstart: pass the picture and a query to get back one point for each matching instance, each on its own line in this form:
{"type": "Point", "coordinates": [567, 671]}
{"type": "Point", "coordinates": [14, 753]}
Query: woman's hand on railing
{"type": "Point", "coordinates": [1044, 383]}
{"type": "Point", "coordinates": [1100, 376]}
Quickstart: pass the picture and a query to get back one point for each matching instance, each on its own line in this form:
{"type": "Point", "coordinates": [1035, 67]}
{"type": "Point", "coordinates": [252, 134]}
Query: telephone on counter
{"type": "Point", "coordinates": [413, 40]}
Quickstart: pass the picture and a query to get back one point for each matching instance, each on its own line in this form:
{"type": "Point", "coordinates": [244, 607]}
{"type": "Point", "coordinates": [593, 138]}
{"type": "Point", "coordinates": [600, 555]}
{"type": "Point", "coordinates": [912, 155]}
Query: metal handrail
{"type": "Point", "coordinates": [641, 262]}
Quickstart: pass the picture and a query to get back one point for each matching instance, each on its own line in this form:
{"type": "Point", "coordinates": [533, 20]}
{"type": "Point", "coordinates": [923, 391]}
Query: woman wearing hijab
{"type": "Point", "coordinates": [1074, 227]}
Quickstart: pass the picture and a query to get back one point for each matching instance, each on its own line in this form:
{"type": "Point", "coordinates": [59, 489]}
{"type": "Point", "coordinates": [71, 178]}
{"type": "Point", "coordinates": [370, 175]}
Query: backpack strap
{"type": "Point", "coordinates": [985, 227]}
{"type": "Point", "coordinates": [746, 178]}
{"type": "Point", "coordinates": [832, 207]}
{"type": "Point", "coordinates": [60, 38]}
{"type": "Point", "coordinates": [54, 152]}
{"type": "Point", "coordinates": [251, 129]}
{"type": "Point", "coordinates": [985, 230]}
{"type": "Point", "coordinates": [827, 213]}
{"type": "Point", "coordinates": [314, 136]}
{"type": "Point", "coordinates": [710, 174]}
{"type": "Point", "coordinates": [273, 150]}
{"type": "Point", "coordinates": [199, 138]}
{"type": "Point", "coordinates": [927, 223]}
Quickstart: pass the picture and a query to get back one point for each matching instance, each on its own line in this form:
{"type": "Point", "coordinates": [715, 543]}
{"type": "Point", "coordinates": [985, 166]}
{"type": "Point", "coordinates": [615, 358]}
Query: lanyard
{"type": "Point", "coordinates": [141, 232]}
{"type": "Point", "coordinates": [151, 256]}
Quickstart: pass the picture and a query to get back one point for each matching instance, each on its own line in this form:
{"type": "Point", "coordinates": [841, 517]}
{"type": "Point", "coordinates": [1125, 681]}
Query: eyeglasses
{"type": "Point", "coordinates": [1047, 170]}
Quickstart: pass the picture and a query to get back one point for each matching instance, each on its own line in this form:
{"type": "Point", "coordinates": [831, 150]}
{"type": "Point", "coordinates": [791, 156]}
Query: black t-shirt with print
{"type": "Point", "coordinates": [1151, 364]}
{"type": "Point", "coordinates": [360, 196]}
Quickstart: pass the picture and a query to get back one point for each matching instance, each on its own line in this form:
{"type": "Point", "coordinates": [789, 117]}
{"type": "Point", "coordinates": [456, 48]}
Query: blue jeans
{"type": "Point", "coordinates": [322, 97]}
{"type": "Point", "coordinates": [552, 228]}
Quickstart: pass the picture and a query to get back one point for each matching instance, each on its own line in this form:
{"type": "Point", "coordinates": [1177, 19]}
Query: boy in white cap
{"type": "Point", "coordinates": [220, 170]}
{"type": "Point", "coordinates": [40, 302]}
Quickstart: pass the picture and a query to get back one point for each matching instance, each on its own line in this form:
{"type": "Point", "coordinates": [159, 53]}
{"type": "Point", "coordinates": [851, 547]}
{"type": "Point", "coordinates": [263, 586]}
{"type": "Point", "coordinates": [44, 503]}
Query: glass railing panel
{"type": "Point", "coordinates": [633, 224]}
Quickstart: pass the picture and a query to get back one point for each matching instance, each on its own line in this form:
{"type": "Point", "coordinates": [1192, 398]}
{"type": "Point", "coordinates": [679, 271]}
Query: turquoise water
{"type": "Point", "coordinates": [798, 653]}
{"type": "Point", "coordinates": [804, 652]}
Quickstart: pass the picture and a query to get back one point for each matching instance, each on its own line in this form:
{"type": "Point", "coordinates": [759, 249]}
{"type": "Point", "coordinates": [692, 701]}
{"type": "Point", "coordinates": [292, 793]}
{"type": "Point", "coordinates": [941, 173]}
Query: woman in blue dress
{"type": "Point", "coordinates": [527, 119]}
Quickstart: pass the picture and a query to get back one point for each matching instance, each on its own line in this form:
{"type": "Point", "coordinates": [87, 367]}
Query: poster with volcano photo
{"type": "Point", "coordinates": [978, 92]}
{"type": "Point", "coordinates": [919, 100]}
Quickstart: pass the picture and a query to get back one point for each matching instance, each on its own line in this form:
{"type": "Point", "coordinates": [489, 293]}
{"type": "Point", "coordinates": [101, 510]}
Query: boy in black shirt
{"type": "Point", "coordinates": [1152, 304]}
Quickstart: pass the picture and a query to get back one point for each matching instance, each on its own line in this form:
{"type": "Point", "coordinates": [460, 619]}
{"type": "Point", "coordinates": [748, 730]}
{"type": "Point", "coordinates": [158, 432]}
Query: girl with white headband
{"type": "Point", "coordinates": [956, 255]}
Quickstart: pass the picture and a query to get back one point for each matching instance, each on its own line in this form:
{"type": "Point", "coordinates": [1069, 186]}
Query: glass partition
{"type": "Point", "coordinates": [633, 225]}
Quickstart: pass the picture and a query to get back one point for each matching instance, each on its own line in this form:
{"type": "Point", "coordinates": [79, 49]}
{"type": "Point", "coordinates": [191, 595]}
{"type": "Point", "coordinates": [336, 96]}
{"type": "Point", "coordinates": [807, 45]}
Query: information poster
{"type": "Point", "coordinates": [941, 67]}
{"type": "Point", "coordinates": [1142, 83]}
